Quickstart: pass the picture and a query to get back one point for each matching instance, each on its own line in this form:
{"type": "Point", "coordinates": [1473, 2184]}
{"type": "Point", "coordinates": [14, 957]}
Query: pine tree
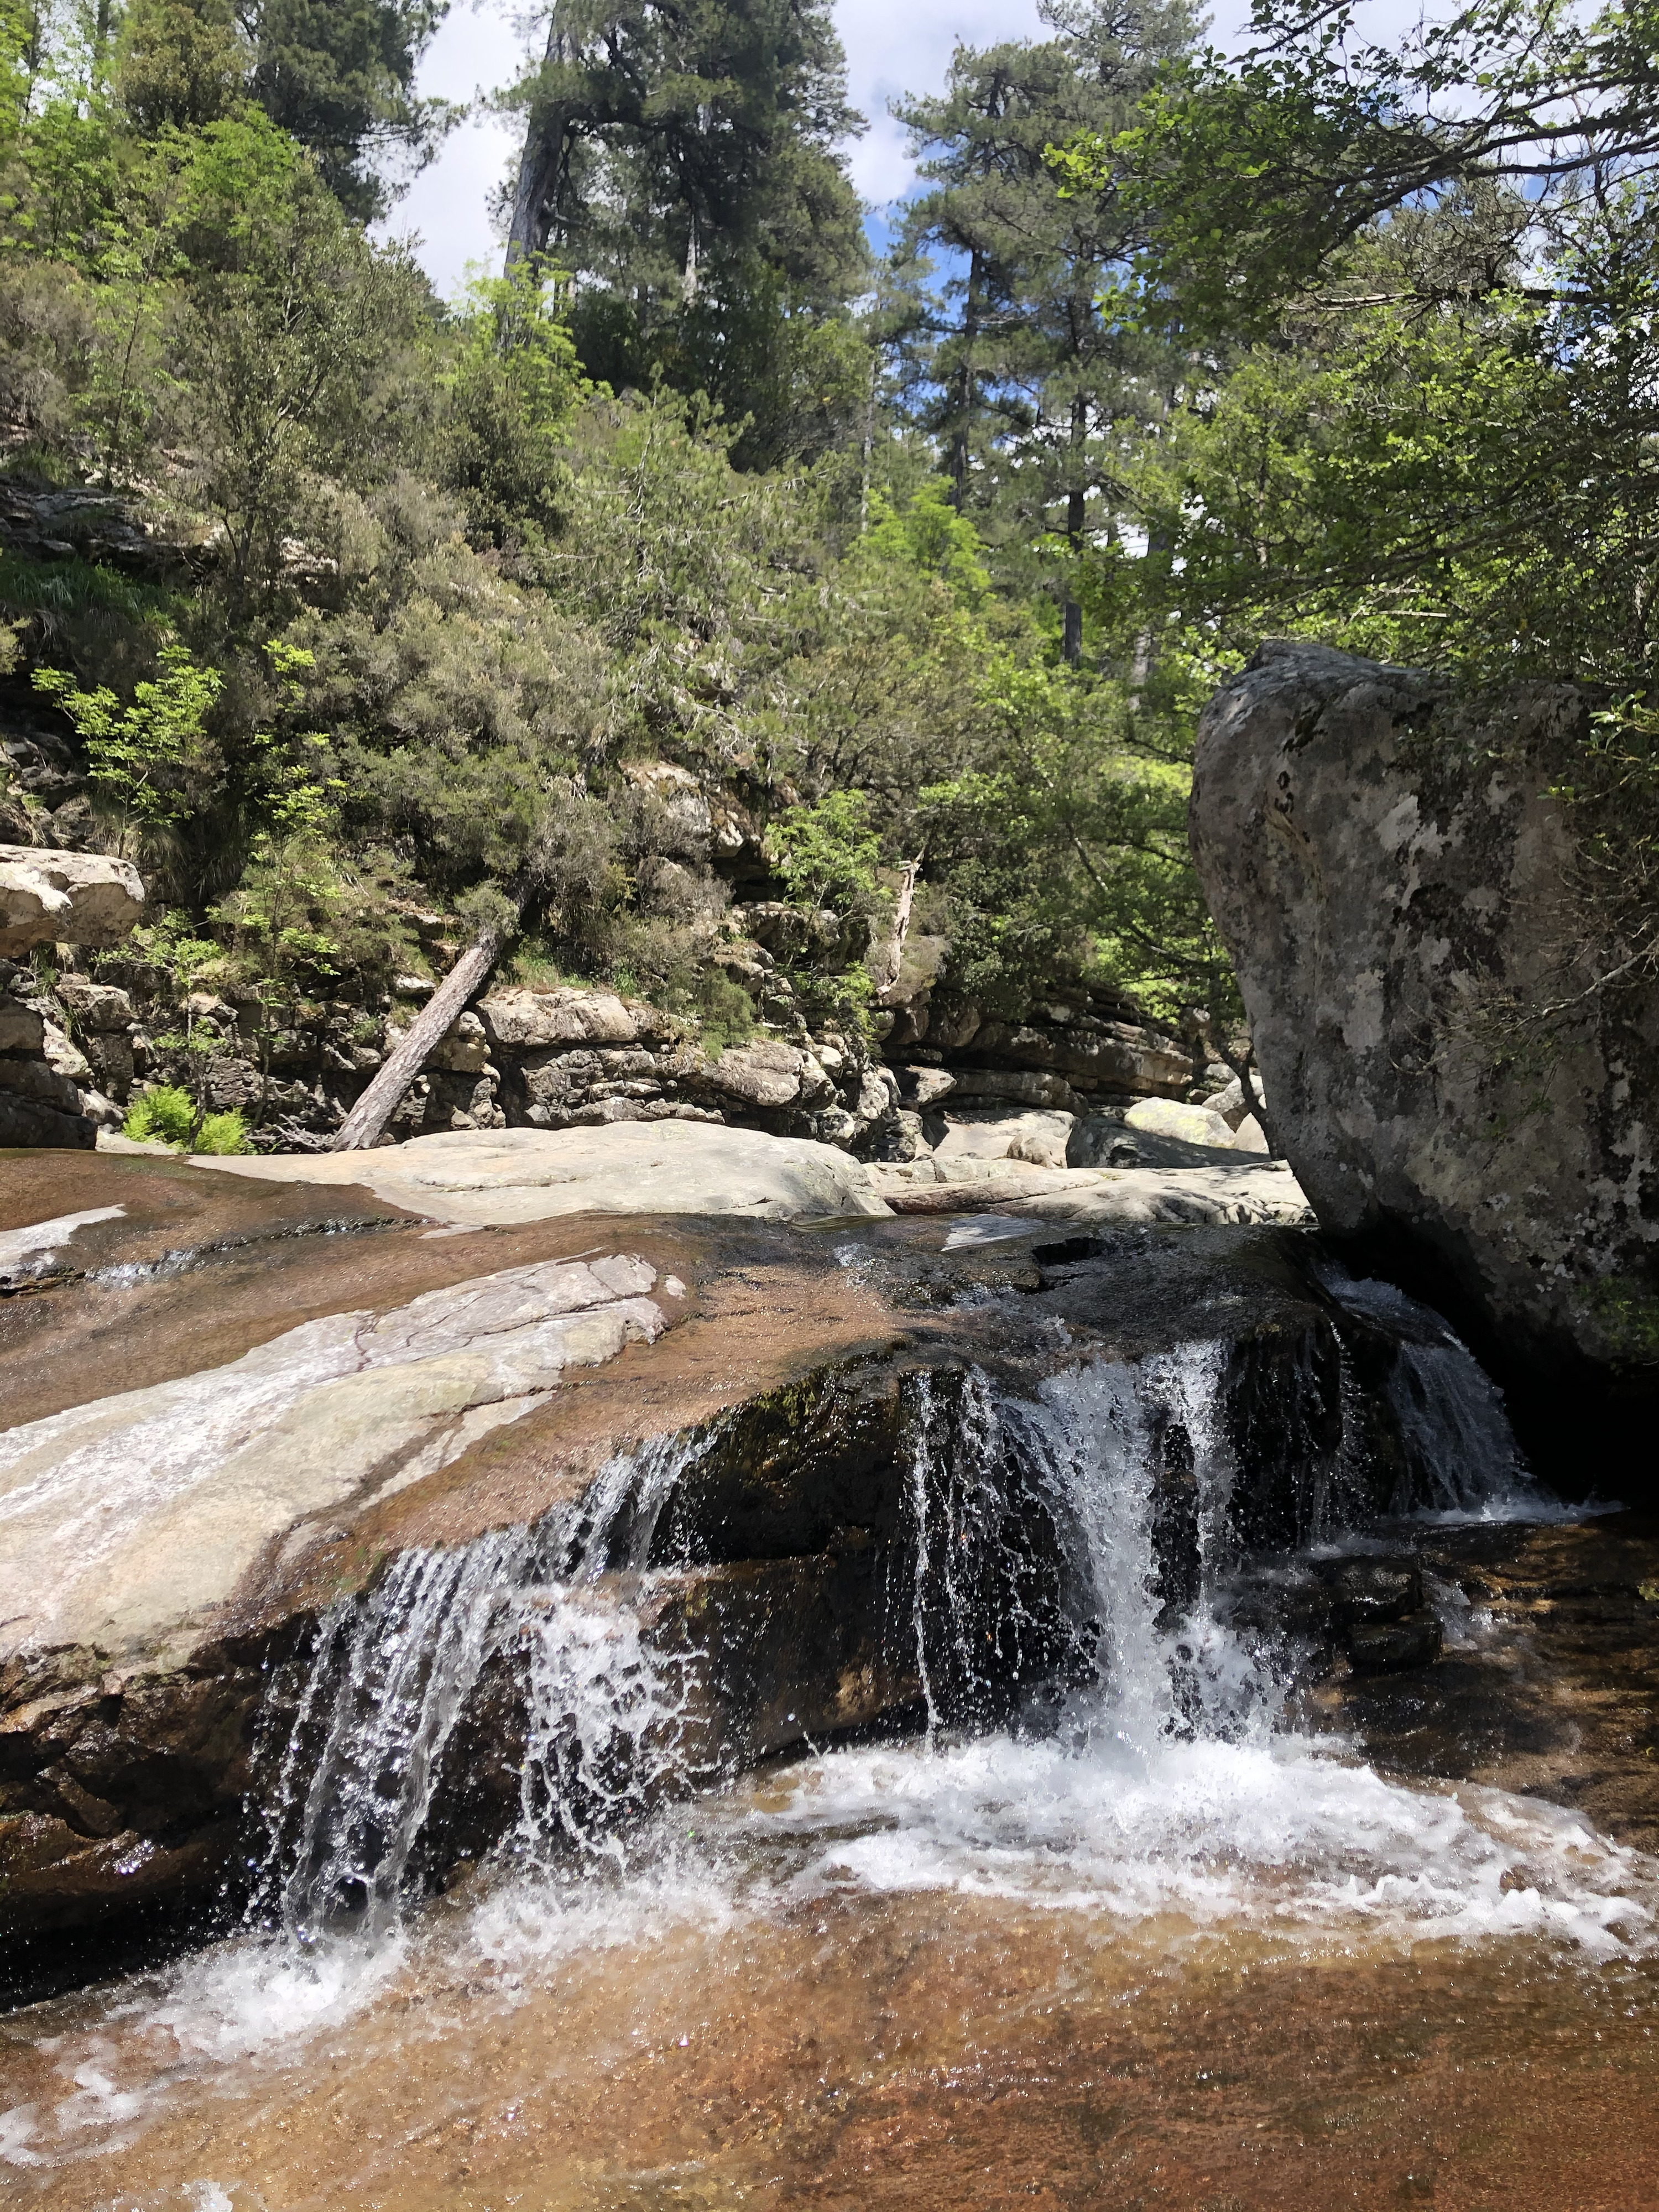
{"type": "Point", "coordinates": [340, 76]}
{"type": "Point", "coordinates": [684, 161]}
{"type": "Point", "coordinates": [1013, 367]}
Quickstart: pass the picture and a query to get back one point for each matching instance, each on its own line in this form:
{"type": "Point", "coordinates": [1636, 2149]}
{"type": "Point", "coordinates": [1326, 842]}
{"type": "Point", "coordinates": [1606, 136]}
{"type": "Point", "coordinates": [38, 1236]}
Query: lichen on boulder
{"type": "Point", "coordinates": [1392, 869]}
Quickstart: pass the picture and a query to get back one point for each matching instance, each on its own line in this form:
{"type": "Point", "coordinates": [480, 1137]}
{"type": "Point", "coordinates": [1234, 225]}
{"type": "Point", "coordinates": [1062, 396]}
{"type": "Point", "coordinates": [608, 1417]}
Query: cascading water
{"type": "Point", "coordinates": [1106, 1754]}
{"type": "Point", "coordinates": [366, 1715]}
{"type": "Point", "coordinates": [1142, 1461]}
{"type": "Point", "coordinates": [1460, 1454]}
{"type": "Point", "coordinates": [1168, 1781]}
{"type": "Point", "coordinates": [1068, 1560]}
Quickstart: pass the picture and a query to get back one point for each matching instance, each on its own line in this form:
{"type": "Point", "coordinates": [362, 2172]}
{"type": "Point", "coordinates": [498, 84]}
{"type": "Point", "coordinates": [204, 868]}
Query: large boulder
{"type": "Point", "coordinates": [1389, 870]}
{"type": "Point", "coordinates": [623, 1167]}
{"type": "Point", "coordinates": [519, 1018]}
{"type": "Point", "coordinates": [1193, 1125]}
{"type": "Point", "coordinates": [1036, 1137]}
{"type": "Point", "coordinates": [64, 898]}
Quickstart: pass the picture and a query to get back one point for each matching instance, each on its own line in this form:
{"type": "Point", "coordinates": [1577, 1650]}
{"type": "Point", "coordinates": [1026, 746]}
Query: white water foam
{"type": "Point", "coordinates": [1283, 1836]}
{"type": "Point", "coordinates": [1170, 1787]}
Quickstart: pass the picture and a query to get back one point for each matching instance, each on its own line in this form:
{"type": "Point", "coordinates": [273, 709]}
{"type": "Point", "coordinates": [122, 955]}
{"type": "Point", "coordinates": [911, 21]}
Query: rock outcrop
{"type": "Point", "coordinates": [51, 1092]}
{"type": "Point", "coordinates": [1391, 874]}
{"type": "Point", "coordinates": [531, 1174]}
{"type": "Point", "coordinates": [245, 1417]}
{"type": "Point", "coordinates": [64, 898]}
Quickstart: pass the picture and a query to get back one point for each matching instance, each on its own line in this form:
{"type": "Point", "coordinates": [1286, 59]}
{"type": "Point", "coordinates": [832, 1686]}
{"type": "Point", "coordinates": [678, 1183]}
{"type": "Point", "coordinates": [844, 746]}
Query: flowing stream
{"type": "Point", "coordinates": [674, 1986]}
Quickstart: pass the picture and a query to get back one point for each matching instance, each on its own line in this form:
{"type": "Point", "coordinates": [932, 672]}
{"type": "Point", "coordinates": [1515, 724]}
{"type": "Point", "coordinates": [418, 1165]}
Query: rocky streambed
{"type": "Point", "coordinates": [777, 1701]}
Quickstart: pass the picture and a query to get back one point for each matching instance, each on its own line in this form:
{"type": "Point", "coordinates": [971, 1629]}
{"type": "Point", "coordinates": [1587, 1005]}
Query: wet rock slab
{"type": "Point", "coordinates": [233, 1403]}
{"type": "Point", "coordinates": [1544, 1677]}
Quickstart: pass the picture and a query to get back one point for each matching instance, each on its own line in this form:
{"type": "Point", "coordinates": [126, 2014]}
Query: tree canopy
{"type": "Point", "coordinates": [380, 607]}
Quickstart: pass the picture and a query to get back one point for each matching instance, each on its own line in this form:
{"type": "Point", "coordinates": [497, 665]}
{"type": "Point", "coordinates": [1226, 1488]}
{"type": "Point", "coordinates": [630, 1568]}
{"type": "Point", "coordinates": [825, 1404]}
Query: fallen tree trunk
{"type": "Point", "coordinates": [364, 1125]}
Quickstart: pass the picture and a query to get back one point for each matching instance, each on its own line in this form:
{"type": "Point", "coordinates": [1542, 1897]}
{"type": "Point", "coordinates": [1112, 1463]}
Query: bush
{"type": "Point", "coordinates": [222, 1132]}
{"type": "Point", "coordinates": [165, 1113]}
{"type": "Point", "coordinates": [727, 1011]}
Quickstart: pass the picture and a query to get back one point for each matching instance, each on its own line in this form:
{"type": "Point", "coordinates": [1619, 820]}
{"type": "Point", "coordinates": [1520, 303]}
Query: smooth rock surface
{"type": "Point", "coordinates": [521, 1018]}
{"type": "Point", "coordinates": [1036, 1137]}
{"type": "Point", "coordinates": [49, 898]}
{"type": "Point", "coordinates": [532, 1175]}
{"type": "Point", "coordinates": [1383, 863]}
{"type": "Point", "coordinates": [1254, 1191]}
{"type": "Point", "coordinates": [124, 1522]}
{"type": "Point", "coordinates": [1167, 1117]}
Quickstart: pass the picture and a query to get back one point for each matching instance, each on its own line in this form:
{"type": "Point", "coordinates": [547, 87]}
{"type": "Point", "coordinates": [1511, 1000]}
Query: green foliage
{"type": "Point", "coordinates": [425, 628]}
{"type": "Point", "coordinates": [928, 532]}
{"type": "Point", "coordinates": [1001, 353]}
{"type": "Point", "coordinates": [221, 1133]}
{"type": "Point", "coordinates": [154, 760]}
{"type": "Point", "coordinates": [340, 76]}
{"type": "Point", "coordinates": [173, 775]}
{"type": "Point", "coordinates": [303, 920]}
{"type": "Point", "coordinates": [179, 63]}
{"type": "Point", "coordinates": [1065, 854]}
{"type": "Point", "coordinates": [165, 1114]}
{"type": "Point", "coordinates": [726, 1012]}
{"type": "Point", "coordinates": [513, 380]}
{"type": "Point", "coordinates": [827, 853]}
{"type": "Point", "coordinates": [685, 161]}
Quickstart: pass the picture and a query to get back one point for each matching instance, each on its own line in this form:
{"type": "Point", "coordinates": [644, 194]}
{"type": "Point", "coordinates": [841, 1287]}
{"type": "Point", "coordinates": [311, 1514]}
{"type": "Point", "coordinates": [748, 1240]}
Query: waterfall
{"type": "Point", "coordinates": [1073, 1548]}
{"type": "Point", "coordinates": [1459, 1453]}
{"type": "Point", "coordinates": [1066, 1563]}
{"type": "Point", "coordinates": [1143, 1475]}
{"type": "Point", "coordinates": [357, 1726]}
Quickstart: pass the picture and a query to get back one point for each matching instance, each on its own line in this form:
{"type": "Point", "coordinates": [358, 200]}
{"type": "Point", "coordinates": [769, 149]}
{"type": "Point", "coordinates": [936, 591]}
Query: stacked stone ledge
{"type": "Point", "coordinates": [51, 1090]}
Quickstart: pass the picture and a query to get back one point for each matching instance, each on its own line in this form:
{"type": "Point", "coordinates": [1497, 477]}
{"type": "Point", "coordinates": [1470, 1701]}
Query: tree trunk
{"type": "Point", "coordinates": [960, 441]}
{"type": "Point", "coordinates": [884, 969]}
{"type": "Point", "coordinates": [536, 191]}
{"type": "Point", "coordinates": [869, 440]}
{"type": "Point", "coordinates": [361, 1129]}
{"type": "Point", "coordinates": [1076, 516]}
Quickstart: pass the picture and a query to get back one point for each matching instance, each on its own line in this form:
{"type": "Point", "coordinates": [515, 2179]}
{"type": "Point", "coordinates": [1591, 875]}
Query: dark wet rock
{"type": "Point", "coordinates": [1368, 1590]}
{"type": "Point", "coordinates": [1387, 866]}
{"type": "Point", "coordinates": [1389, 1647]}
{"type": "Point", "coordinates": [26, 1121]}
{"type": "Point", "coordinates": [1544, 1683]}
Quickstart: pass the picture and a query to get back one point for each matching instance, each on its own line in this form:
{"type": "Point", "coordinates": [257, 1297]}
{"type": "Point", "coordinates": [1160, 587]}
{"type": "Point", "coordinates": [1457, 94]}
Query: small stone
{"type": "Point", "coordinates": [1378, 1590]}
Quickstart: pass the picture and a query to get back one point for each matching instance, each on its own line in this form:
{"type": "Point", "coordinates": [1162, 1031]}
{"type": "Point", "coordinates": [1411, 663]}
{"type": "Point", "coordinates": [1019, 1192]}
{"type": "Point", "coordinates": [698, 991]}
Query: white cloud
{"type": "Point", "coordinates": [892, 49]}
{"type": "Point", "coordinates": [447, 210]}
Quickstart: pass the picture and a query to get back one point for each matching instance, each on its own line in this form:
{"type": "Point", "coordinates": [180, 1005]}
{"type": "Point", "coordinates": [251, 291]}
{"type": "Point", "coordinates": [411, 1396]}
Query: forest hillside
{"type": "Point", "coordinates": [797, 649]}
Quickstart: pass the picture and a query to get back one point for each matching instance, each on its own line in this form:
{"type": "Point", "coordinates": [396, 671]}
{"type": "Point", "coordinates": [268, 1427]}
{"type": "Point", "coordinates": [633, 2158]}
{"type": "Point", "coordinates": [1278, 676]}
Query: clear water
{"type": "Point", "coordinates": [1168, 1800]}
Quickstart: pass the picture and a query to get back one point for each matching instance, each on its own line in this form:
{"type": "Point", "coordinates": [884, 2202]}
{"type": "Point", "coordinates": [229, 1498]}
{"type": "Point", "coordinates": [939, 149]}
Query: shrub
{"type": "Point", "coordinates": [727, 1011]}
{"type": "Point", "coordinates": [222, 1132]}
{"type": "Point", "coordinates": [165, 1113]}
